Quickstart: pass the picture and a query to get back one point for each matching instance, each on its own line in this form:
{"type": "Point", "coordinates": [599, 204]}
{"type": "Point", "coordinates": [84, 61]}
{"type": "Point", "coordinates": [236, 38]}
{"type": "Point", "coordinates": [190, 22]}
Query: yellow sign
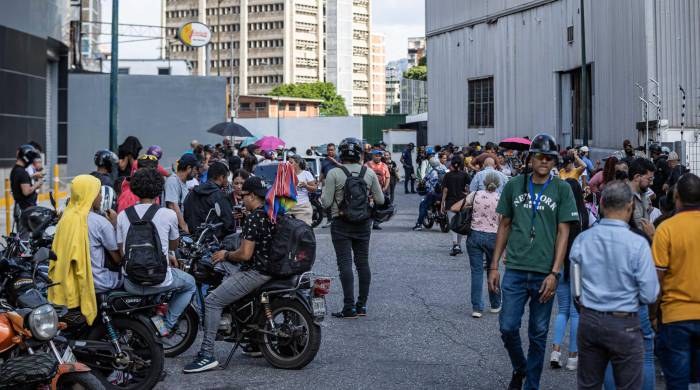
{"type": "Point", "coordinates": [194, 34]}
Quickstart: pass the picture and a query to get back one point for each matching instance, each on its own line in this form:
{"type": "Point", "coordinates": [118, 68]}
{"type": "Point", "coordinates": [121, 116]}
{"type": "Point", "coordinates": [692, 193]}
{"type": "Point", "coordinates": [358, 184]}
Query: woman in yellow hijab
{"type": "Point", "coordinates": [72, 247]}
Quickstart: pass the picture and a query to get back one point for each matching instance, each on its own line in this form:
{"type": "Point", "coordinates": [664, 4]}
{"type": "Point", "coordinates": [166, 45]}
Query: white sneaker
{"type": "Point", "coordinates": [476, 314]}
{"type": "Point", "coordinates": [555, 359]}
{"type": "Point", "coordinates": [572, 363]}
{"type": "Point", "coordinates": [495, 311]}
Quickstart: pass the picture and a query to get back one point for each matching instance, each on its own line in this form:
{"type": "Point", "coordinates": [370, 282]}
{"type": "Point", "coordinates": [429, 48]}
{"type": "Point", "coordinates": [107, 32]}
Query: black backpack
{"type": "Point", "coordinates": [144, 260]}
{"type": "Point", "coordinates": [355, 204]}
{"type": "Point", "coordinates": [293, 248]}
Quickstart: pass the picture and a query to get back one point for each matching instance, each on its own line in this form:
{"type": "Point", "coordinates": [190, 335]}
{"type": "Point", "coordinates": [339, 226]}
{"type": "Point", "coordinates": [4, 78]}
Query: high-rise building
{"type": "Point", "coordinates": [261, 43]}
{"type": "Point", "coordinates": [393, 89]}
{"type": "Point", "coordinates": [90, 30]}
{"type": "Point", "coordinates": [416, 50]}
{"type": "Point", "coordinates": [348, 46]}
{"type": "Point", "coordinates": [378, 75]}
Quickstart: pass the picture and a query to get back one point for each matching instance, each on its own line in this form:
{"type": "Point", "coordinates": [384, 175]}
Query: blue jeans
{"type": "Point", "coordinates": [429, 198]}
{"type": "Point", "coordinates": [649, 382]}
{"type": "Point", "coordinates": [517, 288]}
{"type": "Point", "coordinates": [184, 287]}
{"type": "Point", "coordinates": [567, 312]}
{"type": "Point", "coordinates": [478, 245]}
{"type": "Point", "coordinates": [679, 352]}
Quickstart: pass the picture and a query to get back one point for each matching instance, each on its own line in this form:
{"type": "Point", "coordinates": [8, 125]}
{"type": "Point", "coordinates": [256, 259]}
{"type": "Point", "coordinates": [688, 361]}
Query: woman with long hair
{"type": "Point", "coordinates": [599, 180]}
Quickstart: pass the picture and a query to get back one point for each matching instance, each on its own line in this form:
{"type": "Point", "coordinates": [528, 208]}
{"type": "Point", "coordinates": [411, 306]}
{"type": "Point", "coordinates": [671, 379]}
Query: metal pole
{"type": "Point", "coordinates": [234, 108]}
{"type": "Point", "coordinates": [682, 111]}
{"type": "Point", "coordinates": [584, 80]}
{"type": "Point", "coordinates": [114, 79]}
{"type": "Point", "coordinates": [278, 117]}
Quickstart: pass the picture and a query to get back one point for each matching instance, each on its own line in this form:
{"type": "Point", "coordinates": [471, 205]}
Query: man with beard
{"type": "Point", "coordinates": [176, 187]}
{"type": "Point", "coordinates": [641, 174]}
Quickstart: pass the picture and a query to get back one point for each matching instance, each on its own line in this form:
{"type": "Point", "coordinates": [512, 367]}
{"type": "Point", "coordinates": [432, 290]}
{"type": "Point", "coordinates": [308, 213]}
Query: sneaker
{"type": "Point", "coordinates": [200, 364]}
{"type": "Point", "coordinates": [555, 359]}
{"type": "Point", "coordinates": [251, 350]}
{"type": "Point", "coordinates": [376, 227]}
{"type": "Point", "coordinates": [516, 381]}
{"type": "Point", "coordinates": [456, 250]}
{"type": "Point", "coordinates": [495, 310]}
{"type": "Point", "coordinates": [572, 363]}
{"type": "Point", "coordinates": [418, 227]}
{"type": "Point", "coordinates": [361, 310]}
{"type": "Point", "coordinates": [476, 314]}
{"type": "Point", "coordinates": [346, 313]}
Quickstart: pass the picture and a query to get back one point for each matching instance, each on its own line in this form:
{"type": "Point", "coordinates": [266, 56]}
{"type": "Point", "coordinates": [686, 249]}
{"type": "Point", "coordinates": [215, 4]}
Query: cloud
{"type": "Point", "coordinates": [398, 20]}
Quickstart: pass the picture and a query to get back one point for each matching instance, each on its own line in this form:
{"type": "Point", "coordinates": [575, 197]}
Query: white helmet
{"type": "Point", "coordinates": [109, 199]}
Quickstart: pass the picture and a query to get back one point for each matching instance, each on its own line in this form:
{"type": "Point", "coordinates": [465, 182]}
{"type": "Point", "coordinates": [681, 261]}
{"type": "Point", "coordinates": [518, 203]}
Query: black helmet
{"type": "Point", "coordinates": [27, 153]}
{"type": "Point", "coordinates": [351, 149]}
{"type": "Point", "coordinates": [545, 144]}
{"type": "Point", "coordinates": [655, 148]}
{"type": "Point", "coordinates": [106, 159]}
{"type": "Point", "coordinates": [35, 219]}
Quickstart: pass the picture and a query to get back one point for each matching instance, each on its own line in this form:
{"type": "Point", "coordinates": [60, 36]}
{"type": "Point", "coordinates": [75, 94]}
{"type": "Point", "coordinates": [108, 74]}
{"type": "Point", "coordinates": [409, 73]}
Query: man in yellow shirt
{"type": "Point", "coordinates": [573, 168]}
{"type": "Point", "coordinates": [676, 251]}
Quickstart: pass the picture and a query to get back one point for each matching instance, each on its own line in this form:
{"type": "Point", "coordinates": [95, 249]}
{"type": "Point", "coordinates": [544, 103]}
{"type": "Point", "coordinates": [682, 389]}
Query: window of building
{"type": "Point", "coordinates": [302, 107]}
{"type": "Point", "coordinates": [292, 107]}
{"type": "Point", "coordinates": [123, 71]}
{"type": "Point", "coordinates": [481, 102]}
{"type": "Point", "coordinates": [164, 71]}
{"type": "Point", "coordinates": [260, 106]}
{"type": "Point", "coordinates": [245, 107]}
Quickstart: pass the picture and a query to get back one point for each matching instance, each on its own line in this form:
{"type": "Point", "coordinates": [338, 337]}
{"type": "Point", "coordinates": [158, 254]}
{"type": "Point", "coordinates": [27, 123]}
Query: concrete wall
{"type": "Point", "coordinates": [41, 18]}
{"type": "Point", "coordinates": [169, 111]}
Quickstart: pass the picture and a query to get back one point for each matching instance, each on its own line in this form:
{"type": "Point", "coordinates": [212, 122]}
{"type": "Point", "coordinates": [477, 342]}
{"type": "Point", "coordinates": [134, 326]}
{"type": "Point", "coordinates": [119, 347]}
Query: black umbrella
{"type": "Point", "coordinates": [230, 129]}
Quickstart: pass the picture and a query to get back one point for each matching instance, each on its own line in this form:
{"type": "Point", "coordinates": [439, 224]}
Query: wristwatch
{"type": "Point", "coordinates": [556, 275]}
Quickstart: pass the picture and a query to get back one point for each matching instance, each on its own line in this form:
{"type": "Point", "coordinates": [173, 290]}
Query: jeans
{"type": "Point", "coordinates": [184, 287]}
{"type": "Point", "coordinates": [409, 173]}
{"type": "Point", "coordinates": [234, 287]}
{"type": "Point", "coordinates": [567, 312]}
{"type": "Point", "coordinates": [604, 338]}
{"type": "Point", "coordinates": [478, 245]}
{"type": "Point", "coordinates": [457, 238]}
{"type": "Point", "coordinates": [517, 288]}
{"type": "Point", "coordinates": [649, 371]}
{"type": "Point", "coordinates": [679, 352]}
{"type": "Point", "coordinates": [430, 198]}
{"type": "Point", "coordinates": [351, 244]}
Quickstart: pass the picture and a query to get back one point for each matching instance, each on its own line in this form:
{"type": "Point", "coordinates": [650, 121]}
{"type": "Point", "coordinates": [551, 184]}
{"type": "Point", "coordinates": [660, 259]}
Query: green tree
{"type": "Point", "coordinates": [417, 73]}
{"type": "Point", "coordinates": [333, 104]}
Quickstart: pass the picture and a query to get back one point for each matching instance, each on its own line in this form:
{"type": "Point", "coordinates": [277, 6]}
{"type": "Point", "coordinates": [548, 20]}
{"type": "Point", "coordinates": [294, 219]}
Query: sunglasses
{"type": "Point", "coordinates": [544, 157]}
{"type": "Point", "coordinates": [148, 157]}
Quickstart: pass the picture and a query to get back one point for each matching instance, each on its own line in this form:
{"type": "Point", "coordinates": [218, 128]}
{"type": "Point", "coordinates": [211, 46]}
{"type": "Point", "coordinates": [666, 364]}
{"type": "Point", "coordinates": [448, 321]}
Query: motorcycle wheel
{"type": "Point", "coordinates": [444, 225]}
{"type": "Point", "coordinates": [317, 217]}
{"type": "Point", "coordinates": [186, 333]}
{"type": "Point", "coordinates": [79, 380]}
{"type": "Point", "coordinates": [291, 353]}
{"type": "Point", "coordinates": [140, 344]}
{"type": "Point", "coordinates": [429, 220]}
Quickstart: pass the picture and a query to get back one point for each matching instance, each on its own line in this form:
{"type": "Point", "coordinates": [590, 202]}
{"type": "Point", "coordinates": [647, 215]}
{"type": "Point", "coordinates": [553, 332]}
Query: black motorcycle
{"type": "Point", "coordinates": [434, 215]}
{"type": "Point", "coordinates": [319, 211]}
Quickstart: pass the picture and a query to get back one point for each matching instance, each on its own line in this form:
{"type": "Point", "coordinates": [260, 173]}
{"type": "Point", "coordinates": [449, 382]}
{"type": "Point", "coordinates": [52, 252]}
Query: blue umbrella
{"type": "Point", "coordinates": [250, 140]}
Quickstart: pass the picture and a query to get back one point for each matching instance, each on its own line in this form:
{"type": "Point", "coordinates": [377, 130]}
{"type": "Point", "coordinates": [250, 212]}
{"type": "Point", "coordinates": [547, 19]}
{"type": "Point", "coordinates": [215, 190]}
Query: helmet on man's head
{"type": "Point", "coordinates": [109, 199]}
{"type": "Point", "coordinates": [545, 144]}
{"type": "Point", "coordinates": [351, 149]}
{"type": "Point", "coordinates": [106, 159]}
{"type": "Point", "coordinates": [429, 150]}
{"type": "Point", "coordinates": [27, 153]}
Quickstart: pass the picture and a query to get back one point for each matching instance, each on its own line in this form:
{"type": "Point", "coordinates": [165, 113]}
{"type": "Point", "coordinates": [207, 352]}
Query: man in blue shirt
{"type": "Point", "coordinates": [616, 274]}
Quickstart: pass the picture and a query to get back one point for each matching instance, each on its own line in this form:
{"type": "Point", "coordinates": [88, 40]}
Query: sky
{"type": "Point", "coordinates": [397, 20]}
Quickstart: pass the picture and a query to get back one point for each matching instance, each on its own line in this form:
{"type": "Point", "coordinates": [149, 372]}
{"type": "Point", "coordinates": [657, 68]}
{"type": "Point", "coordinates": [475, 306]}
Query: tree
{"type": "Point", "coordinates": [417, 73]}
{"type": "Point", "coordinates": [423, 61]}
{"type": "Point", "coordinates": [333, 104]}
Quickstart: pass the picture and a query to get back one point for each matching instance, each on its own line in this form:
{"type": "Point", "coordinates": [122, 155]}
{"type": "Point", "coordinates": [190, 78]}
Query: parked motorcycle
{"type": "Point", "coordinates": [434, 215]}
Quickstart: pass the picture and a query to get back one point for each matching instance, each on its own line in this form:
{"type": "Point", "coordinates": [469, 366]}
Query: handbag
{"type": "Point", "coordinates": [461, 222]}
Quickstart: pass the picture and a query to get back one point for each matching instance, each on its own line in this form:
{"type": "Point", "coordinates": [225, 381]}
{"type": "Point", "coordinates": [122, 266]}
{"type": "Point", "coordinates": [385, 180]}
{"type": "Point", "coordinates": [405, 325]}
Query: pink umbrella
{"type": "Point", "coordinates": [269, 143]}
{"type": "Point", "coordinates": [515, 143]}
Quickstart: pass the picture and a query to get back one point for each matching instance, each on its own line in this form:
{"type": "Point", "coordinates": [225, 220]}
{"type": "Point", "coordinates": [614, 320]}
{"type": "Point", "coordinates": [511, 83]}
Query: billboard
{"type": "Point", "coordinates": [194, 34]}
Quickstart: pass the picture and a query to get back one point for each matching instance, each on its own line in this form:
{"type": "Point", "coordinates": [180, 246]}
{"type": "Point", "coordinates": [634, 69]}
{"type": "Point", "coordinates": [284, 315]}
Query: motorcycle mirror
{"type": "Point", "coordinates": [52, 200]}
{"type": "Point", "coordinates": [217, 209]}
{"type": "Point", "coordinates": [42, 254]}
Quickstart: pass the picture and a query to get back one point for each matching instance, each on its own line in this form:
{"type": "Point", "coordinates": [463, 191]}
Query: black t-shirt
{"type": "Point", "coordinates": [326, 166]}
{"type": "Point", "coordinates": [105, 179]}
{"type": "Point", "coordinates": [19, 176]}
{"type": "Point", "coordinates": [456, 183]}
{"type": "Point", "coordinates": [258, 228]}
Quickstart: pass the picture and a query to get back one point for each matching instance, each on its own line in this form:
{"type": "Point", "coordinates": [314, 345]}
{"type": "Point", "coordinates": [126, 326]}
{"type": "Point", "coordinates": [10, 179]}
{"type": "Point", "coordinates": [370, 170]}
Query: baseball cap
{"type": "Point", "coordinates": [188, 160]}
{"type": "Point", "coordinates": [584, 149]}
{"type": "Point", "coordinates": [673, 156]}
{"type": "Point", "coordinates": [255, 185]}
{"type": "Point", "coordinates": [376, 151]}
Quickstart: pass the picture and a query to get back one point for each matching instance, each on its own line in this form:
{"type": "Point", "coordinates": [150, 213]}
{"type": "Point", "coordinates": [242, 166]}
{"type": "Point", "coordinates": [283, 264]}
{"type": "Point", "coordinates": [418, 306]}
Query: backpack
{"type": "Point", "coordinates": [144, 260]}
{"type": "Point", "coordinates": [293, 248]}
{"type": "Point", "coordinates": [355, 204]}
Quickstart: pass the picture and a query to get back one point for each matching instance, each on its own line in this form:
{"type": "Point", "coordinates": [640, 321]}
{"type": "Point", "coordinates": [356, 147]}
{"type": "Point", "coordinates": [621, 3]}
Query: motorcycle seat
{"type": "Point", "coordinates": [281, 284]}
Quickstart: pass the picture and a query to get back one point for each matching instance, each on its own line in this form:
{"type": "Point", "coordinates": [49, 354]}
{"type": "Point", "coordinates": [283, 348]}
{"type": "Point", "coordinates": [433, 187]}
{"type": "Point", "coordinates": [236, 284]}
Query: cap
{"type": "Point", "coordinates": [584, 149]}
{"type": "Point", "coordinates": [673, 156]}
{"type": "Point", "coordinates": [379, 152]}
{"type": "Point", "coordinates": [188, 160]}
{"type": "Point", "coordinates": [255, 185]}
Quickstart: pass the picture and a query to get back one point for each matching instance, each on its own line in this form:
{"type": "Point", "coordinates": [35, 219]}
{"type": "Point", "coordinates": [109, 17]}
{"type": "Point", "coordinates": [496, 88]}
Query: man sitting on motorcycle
{"type": "Point", "coordinates": [244, 269]}
{"type": "Point", "coordinates": [200, 201]}
{"type": "Point", "coordinates": [432, 180]}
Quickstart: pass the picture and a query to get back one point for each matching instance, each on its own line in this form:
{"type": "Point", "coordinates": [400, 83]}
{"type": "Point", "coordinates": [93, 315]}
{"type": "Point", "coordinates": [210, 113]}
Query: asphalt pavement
{"type": "Point", "coordinates": [418, 334]}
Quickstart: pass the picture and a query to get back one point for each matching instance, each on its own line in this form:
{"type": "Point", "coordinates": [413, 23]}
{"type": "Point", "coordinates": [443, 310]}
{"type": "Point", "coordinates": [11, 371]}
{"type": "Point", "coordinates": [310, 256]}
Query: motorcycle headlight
{"type": "Point", "coordinates": [43, 322]}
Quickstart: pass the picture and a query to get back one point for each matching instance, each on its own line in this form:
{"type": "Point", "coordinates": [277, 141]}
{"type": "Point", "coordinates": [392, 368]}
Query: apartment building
{"type": "Point", "coordinates": [90, 18]}
{"type": "Point", "coordinates": [258, 43]}
{"type": "Point", "coordinates": [416, 50]}
{"type": "Point", "coordinates": [378, 75]}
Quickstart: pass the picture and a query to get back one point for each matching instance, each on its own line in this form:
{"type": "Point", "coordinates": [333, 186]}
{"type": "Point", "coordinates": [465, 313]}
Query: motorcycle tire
{"type": "Point", "coordinates": [273, 353]}
{"type": "Point", "coordinates": [79, 380]}
{"type": "Point", "coordinates": [149, 343]}
{"type": "Point", "coordinates": [444, 225]}
{"type": "Point", "coordinates": [317, 217]}
{"type": "Point", "coordinates": [429, 221]}
{"type": "Point", "coordinates": [187, 328]}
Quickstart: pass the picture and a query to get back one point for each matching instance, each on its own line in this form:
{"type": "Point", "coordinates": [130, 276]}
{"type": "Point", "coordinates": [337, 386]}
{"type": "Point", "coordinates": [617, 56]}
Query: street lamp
{"type": "Point", "coordinates": [114, 79]}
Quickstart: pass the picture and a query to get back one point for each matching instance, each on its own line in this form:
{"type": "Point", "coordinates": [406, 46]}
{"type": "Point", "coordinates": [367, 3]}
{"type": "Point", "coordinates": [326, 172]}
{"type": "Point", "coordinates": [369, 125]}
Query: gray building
{"type": "Point", "coordinates": [513, 68]}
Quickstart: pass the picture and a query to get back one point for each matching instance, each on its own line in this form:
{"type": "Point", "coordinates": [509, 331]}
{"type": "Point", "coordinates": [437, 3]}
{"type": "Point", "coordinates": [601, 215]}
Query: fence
{"type": "Point", "coordinates": [692, 157]}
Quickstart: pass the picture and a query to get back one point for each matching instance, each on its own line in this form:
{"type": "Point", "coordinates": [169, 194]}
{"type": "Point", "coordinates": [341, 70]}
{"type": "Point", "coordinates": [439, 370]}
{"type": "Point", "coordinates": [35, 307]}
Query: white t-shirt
{"type": "Point", "coordinates": [303, 193]}
{"type": "Point", "coordinates": [102, 237]}
{"type": "Point", "coordinates": [165, 221]}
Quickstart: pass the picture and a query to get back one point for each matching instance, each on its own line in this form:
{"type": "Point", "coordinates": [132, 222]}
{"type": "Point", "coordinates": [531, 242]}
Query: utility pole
{"type": "Point", "coordinates": [584, 80]}
{"type": "Point", "coordinates": [278, 115]}
{"type": "Point", "coordinates": [114, 79]}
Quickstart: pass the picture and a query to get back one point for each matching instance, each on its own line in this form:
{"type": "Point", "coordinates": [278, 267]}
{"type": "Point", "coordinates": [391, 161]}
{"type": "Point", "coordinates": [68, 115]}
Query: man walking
{"type": "Point", "coordinates": [615, 274]}
{"type": "Point", "coordinates": [536, 209]}
{"type": "Point", "coordinates": [676, 252]}
{"type": "Point", "coordinates": [408, 171]}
